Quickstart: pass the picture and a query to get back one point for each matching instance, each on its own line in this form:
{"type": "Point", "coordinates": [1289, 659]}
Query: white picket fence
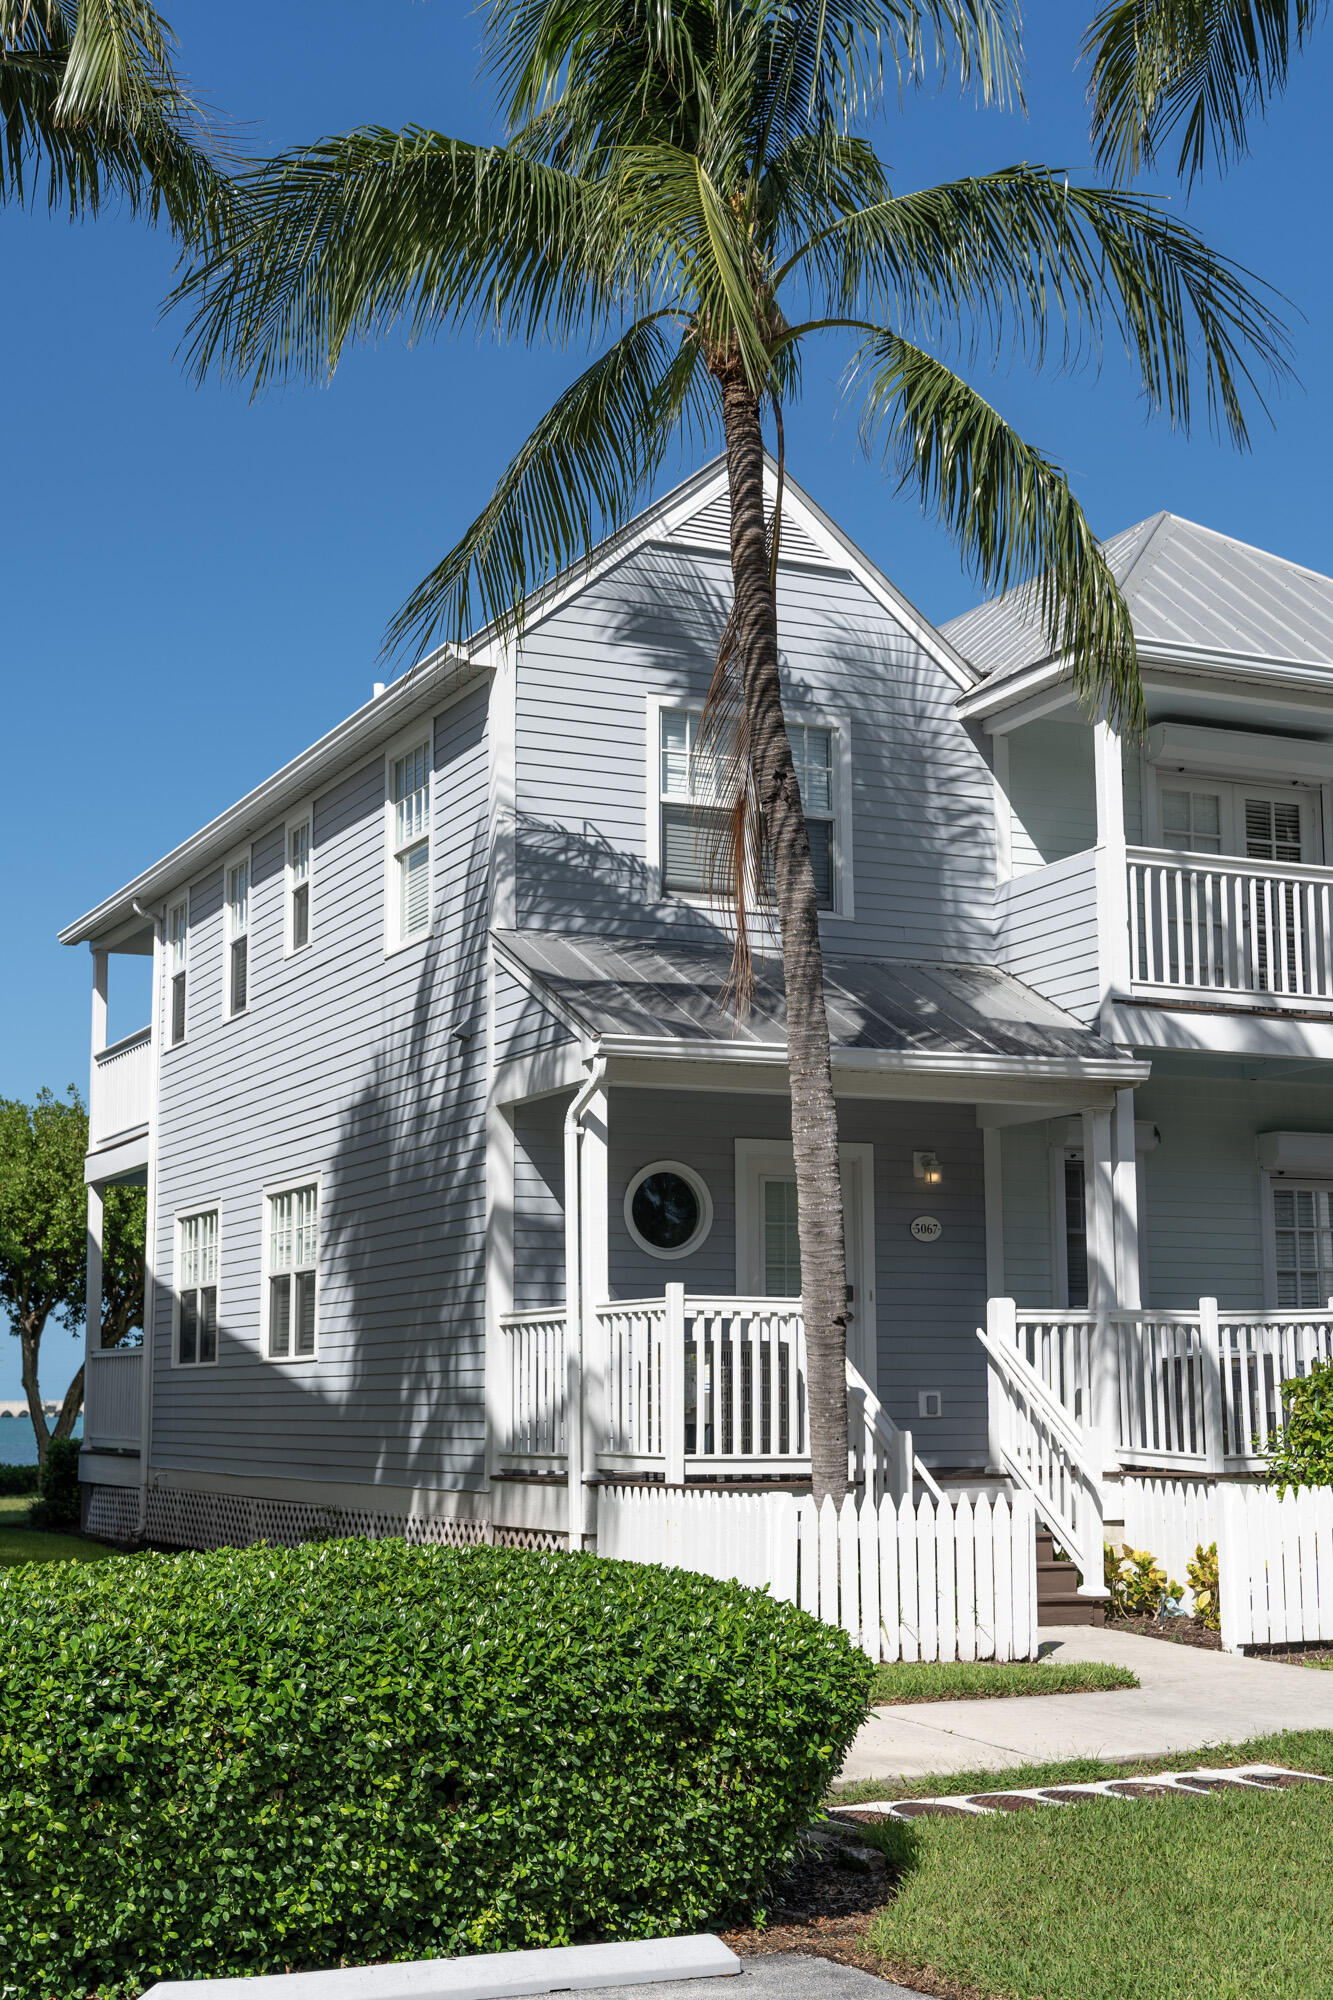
{"type": "Point", "coordinates": [1275, 1566]}
{"type": "Point", "coordinates": [1171, 1517]}
{"type": "Point", "coordinates": [935, 1581]}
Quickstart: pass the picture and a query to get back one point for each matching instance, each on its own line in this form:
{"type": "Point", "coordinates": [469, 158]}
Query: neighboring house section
{"type": "Point", "coordinates": [471, 1185]}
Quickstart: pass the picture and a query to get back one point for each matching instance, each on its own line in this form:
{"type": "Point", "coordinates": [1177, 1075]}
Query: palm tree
{"type": "Point", "coordinates": [686, 186]}
{"type": "Point", "coordinates": [1204, 64]}
{"type": "Point", "coordinates": [90, 105]}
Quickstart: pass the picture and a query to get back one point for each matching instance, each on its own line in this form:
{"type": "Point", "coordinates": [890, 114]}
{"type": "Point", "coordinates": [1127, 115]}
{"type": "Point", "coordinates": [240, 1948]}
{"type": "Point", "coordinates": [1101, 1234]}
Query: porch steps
{"type": "Point", "coordinates": [1058, 1601]}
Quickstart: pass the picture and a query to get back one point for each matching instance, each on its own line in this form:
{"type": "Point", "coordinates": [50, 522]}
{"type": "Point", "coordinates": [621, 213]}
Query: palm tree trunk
{"type": "Point", "coordinates": [814, 1118]}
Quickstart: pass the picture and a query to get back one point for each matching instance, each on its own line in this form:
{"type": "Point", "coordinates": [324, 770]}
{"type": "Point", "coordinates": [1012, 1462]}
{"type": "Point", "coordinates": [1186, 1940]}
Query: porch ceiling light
{"type": "Point", "coordinates": [926, 1167]}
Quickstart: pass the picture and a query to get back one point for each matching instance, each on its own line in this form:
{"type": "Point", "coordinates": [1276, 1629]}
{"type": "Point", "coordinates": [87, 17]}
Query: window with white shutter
{"type": "Point", "coordinates": [236, 909]}
{"type": "Point", "coordinates": [292, 1261]}
{"type": "Point", "coordinates": [178, 965]}
{"type": "Point", "coordinates": [197, 1289]}
{"type": "Point", "coordinates": [298, 882]}
{"type": "Point", "coordinates": [409, 844]}
{"type": "Point", "coordinates": [693, 781]}
{"type": "Point", "coordinates": [1303, 1245]}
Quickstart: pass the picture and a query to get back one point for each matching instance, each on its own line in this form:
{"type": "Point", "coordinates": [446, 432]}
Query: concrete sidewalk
{"type": "Point", "coordinates": [1188, 1700]}
{"type": "Point", "coordinates": [774, 1976]}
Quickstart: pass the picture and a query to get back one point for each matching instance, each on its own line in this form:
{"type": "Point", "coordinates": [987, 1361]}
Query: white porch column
{"type": "Point", "coordinates": [93, 1302]}
{"type": "Point", "coordinates": [1099, 1180]}
{"type": "Point", "coordinates": [1112, 891]}
{"type": "Point", "coordinates": [1126, 1179]}
{"type": "Point", "coordinates": [594, 1194]}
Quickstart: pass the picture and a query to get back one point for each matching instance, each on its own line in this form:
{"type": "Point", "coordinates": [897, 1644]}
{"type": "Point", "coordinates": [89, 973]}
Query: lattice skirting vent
{"type": "Point", "coordinates": [111, 1512]}
{"type": "Point", "coordinates": [530, 1538]}
{"type": "Point", "coordinates": [233, 1520]}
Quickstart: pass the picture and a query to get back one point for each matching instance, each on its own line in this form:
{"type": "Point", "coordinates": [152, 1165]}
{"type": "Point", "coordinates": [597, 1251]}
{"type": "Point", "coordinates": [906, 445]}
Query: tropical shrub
{"type": "Point", "coordinates": [1201, 1576]}
{"type": "Point", "coordinates": [1138, 1584]}
{"type": "Point", "coordinates": [58, 1486]}
{"type": "Point", "coordinates": [353, 1752]}
{"type": "Point", "coordinates": [1302, 1454]}
{"type": "Point", "coordinates": [17, 1479]}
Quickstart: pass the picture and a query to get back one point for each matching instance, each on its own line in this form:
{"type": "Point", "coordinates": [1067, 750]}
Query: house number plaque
{"type": "Point", "coordinates": [927, 1229]}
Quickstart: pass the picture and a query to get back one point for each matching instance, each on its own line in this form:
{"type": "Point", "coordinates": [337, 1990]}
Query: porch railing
{"type": "Point", "coordinates": [120, 1087]}
{"type": "Point", "coordinates": [1224, 925]}
{"type": "Point", "coordinates": [715, 1387]}
{"type": "Point", "coordinates": [1194, 1390]}
{"type": "Point", "coordinates": [112, 1409]}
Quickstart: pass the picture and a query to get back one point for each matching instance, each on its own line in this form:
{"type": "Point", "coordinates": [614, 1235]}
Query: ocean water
{"type": "Point", "coordinates": [18, 1440]}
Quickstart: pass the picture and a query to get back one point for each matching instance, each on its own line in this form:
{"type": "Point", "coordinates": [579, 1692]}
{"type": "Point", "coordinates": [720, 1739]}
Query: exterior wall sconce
{"type": "Point", "coordinates": [926, 1167]}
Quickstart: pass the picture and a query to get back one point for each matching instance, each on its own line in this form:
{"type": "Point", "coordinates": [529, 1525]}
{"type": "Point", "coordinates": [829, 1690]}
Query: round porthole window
{"type": "Point", "coordinates": [668, 1209]}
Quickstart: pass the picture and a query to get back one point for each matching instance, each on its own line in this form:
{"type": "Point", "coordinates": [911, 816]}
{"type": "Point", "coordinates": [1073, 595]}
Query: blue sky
{"type": "Point", "coordinates": [195, 587]}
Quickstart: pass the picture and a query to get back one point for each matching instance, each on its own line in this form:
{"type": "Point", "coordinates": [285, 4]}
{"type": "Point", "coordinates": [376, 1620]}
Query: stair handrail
{"type": "Point", "coordinates": [1078, 1449]}
{"type": "Point", "coordinates": [895, 1440]}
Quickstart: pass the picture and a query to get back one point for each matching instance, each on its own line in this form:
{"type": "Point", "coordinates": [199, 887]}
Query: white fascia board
{"type": "Point", "coordinates": [1110, 1068]}
{"type": "Point", "coordinates": [436, 683]}
{"type": "Point", "coordinates": [1235, 1031]}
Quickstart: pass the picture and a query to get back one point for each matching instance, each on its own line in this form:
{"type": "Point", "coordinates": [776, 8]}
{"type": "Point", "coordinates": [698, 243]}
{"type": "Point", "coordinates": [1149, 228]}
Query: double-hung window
{"type": "Point", "coordinates": [693, 781]}
{"type": "Point", "coordinates": [409, 843]}
{"type": "Point", "coordinates": [1303, 1245]}
{"type": "Point", "coordinates": [197, 1289]}
{"type": "Point", "coordinates": [293, 1261]}
{"type": "Point", "coordinates": [236, 917]}
{"type": "Point", "coordinates": [178, 965]}
{"type": "Point", "coordinates": [298, 882]}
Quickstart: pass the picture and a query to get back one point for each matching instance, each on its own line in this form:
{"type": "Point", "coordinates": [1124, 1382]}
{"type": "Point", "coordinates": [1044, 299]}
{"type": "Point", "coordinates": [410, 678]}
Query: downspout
{"type": "Point", "coordinates": [150, 1226]}
{"type": "Point", "coordinates": [574, 1303]}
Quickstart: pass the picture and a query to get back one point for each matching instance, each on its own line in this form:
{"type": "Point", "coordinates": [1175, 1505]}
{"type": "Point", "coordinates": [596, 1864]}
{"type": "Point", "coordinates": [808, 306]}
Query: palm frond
{"type": "Point", "coordinates": [1010, 509]}
{"type": "Point", "coordinates": [578, 478]}
{"type": "Point", "coordinates": [348, 238]}
{"type": "Point", "coordinates": [91, 107]}
{"type": "Point", "coordinates": [1026, 255]}
{"type": "Point", "coordinates": [1203, 67]}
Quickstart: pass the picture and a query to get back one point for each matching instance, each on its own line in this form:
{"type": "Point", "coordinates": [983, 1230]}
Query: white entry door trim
{"type": "Point", "coordinates": [758, 1160]}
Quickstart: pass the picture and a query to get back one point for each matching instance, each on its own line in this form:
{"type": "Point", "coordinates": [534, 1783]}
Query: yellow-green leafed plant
{"type": "Point", "coordinates": [1201, 1575]}
{"type": "Point", "coordinates": [1138, 1584]}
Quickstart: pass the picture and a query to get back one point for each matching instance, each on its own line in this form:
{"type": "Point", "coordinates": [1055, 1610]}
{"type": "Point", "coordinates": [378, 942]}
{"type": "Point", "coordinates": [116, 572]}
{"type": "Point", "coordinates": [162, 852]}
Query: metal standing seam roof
{"type": "Point", "coordinates": [673, 992]}
{"type": "Point", "coordinates": [1187, 587]}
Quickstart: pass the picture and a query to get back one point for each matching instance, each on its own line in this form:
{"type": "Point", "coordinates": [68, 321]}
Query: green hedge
{"type": "Point", "coordinates": [352, 1751]}
{"type": "Point", "coordinates": [17, 1479]}
{"type": "Point", "coordinates": [58, 1502]}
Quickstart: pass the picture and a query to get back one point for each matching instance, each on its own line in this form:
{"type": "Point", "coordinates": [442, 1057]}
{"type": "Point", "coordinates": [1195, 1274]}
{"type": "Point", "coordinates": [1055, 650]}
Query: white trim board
{"type": "Point", "coordinates": [486, 1976]}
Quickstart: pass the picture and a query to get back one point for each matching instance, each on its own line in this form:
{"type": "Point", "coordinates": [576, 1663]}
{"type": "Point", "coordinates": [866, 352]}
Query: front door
{"type": "Point", "coordinates": [768, 1251]}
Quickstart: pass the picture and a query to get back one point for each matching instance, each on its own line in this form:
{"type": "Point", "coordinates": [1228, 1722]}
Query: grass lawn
{"type": "Point", "coordinates": [965, 1680]}
{"type": "Point", "coordinates": [22, 1544]}
{"type": "Point", "coordinates": [1219, 1898]}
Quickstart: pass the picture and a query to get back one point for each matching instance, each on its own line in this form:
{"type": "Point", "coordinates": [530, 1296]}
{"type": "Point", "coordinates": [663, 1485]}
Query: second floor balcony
{"type": "Point", "coordinates": [1227, 928]}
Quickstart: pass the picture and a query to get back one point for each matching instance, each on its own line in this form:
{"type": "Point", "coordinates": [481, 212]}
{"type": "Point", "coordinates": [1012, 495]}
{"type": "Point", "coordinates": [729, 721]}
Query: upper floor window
{"type": "Point", "coordinates": [197, 1289]}
{"type": "Point", "coordinates": [1219, 816]}
{"type": "Point", "coordinates": [298, 882]}
{"type": "Point", "coordinates": [178, 964]}
{"type": "Point", "coordinates": [236, 913]}
{"type": "Point", "coordinates": [293, 1260]}
{"type": "Point", "coordinates": [409, 841]}
{"type": "Point", "coordinates": [692, 787]}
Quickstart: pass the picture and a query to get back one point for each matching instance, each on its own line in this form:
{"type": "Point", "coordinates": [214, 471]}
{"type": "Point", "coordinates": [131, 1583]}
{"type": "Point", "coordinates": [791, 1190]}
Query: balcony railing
{"type": "Point", "coordinates": [111, 1398]}
{"type": "Point", "coordinates": [121, 1080]}
{"type": "Point", "coordinates": [1217, 925]}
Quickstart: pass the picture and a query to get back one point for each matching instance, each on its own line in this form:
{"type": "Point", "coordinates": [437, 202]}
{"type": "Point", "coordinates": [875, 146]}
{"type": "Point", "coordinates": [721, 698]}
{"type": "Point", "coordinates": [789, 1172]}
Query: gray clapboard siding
{"type": "Point", "coordinates": [1048, 932]}
{"type": "Point", "coordinates": [1052, 793]}
{"type": "Point", "coordinates": [523, 1026]}
{"type": "Point", "coordinates": [347, 1064]}
{"type": "Point", "coordinates": [539, 1204]}
{"type": "Point", "coordinates": [1203, 1223]}
{"type": "Point", "coordinates": [1029, 1266]}
{"type": "Point", "coordinates": [923, 839]}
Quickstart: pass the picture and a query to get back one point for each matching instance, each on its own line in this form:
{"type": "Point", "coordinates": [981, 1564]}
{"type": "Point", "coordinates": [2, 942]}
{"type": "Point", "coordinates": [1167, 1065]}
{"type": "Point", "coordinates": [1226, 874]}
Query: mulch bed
{"type": "Point", "coordinates": [823, 1909]}
{"type": "Point", "coordinates": [1178, 1631]}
